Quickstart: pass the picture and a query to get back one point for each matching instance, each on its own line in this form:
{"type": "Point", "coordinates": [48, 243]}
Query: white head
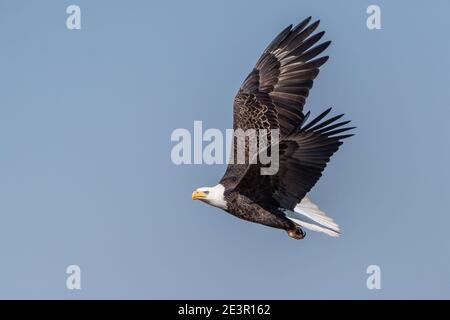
{"type": "Point", "coordinates": [211, 195]}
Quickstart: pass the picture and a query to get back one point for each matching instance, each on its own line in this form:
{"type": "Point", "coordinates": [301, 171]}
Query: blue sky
{"type": "Point", "coordinates": [86, 176]}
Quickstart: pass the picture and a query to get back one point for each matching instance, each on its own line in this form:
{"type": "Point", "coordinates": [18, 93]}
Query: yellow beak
{"type": "Point", "coordinates": [196, 195]}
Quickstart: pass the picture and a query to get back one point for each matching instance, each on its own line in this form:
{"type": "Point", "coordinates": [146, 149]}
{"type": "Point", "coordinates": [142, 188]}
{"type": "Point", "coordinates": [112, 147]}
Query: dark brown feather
{"type": "Point", "coordinates": [274, 93]}
{"type": "Point", "coordinates": [303, 156]}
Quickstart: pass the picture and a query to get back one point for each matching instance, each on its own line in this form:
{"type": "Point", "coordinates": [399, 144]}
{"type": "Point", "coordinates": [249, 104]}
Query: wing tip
{"type": "Point", "coordinates": [328, 128]}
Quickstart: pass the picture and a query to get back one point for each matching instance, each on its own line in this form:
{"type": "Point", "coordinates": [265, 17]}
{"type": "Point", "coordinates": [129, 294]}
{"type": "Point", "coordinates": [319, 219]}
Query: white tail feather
{"type": "Point", "coordinates": [312, 212]}
{"type": "Point", "coordinates": [315, 227]}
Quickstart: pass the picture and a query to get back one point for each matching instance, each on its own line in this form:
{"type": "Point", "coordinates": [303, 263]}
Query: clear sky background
{"type": "Point", "coordinates": [86, 176]}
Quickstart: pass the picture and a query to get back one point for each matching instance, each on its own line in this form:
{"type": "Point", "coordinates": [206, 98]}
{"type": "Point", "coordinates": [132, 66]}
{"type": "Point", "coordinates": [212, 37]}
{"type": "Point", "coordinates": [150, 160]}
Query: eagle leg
{"type": "Point", "coordinates": [296, 233]}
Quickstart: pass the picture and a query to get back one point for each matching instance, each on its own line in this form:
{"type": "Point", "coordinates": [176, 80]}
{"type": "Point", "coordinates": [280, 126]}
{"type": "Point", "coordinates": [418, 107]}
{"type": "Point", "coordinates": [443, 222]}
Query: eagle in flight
{"type": "Point", "coordinates": [272, 97]}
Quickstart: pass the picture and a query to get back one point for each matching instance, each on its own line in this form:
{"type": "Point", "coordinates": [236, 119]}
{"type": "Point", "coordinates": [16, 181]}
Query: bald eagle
{"type": "Point", "coordinates": [272, 97]}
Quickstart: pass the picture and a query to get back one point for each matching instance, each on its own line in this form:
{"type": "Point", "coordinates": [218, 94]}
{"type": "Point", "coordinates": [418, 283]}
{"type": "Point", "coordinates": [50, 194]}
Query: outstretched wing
{"type": "Point", "coordinates": [303, 156]}
{"type": "Point", "coordinates": [274, 93]}
{"type": "Point", "coordinates": [284, 74]}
